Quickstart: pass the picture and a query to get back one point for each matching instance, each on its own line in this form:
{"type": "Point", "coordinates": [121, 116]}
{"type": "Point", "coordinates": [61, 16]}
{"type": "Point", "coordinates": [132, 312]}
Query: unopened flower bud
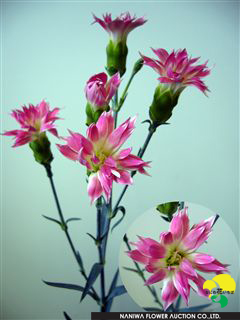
{"type": "Point", "coordinates": [138, 65]}
{"type": "Point", "coordinates": [99, 92]}
{"type": "Point", "coordinates": [164, 101]}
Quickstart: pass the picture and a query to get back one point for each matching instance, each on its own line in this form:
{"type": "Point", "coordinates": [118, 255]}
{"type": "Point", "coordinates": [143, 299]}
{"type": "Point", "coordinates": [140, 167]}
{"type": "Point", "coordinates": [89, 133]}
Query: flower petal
{"type": "Point", "coordinates": [94, 187]}
{"type": "Point", "coordinates": [156, 277]}
{"type": "Point", "coordinates": [203, 258]}
{"type": "Point", "coordinates": [214, 266]}
{"type": "Point", "coordinates": [187, 268]}
{"type": "Point", "coordinates": [179, 226]}
{"type": "Point", "coordinates": [137, 256]}
{"type": "Point", "coordinates": [92, 133]}
{"type": "Point", "coordinates": [166, 238]}
{"type": "Point", "coordinates": [199, 281]}
{"type": "Point", "coordinates": [68, 152]}
{"type": "Point", "coordinates": [180, 281]}
{"type": "Point", "coordinates": [105, 124]}
{"type": "Point", "coordinates": [157, 251]}
{"type": "Point", "coordinates": [169, 293]}
{"type": "Point", "coordinates": [122, 133]}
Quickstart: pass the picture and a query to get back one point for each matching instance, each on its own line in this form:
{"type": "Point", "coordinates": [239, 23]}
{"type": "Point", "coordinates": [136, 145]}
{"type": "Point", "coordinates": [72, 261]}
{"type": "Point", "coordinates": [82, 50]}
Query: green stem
{"type": "Point", "coordinates": [136, 68]}
{"type": "Point", "coordinates": [124, 94]}
{"type": "Point", "coordinates": [141, 274]}
{"type": "Point", "coordinates": [115, 108]}
{"type": "Point", "coordinates": [141, 152]}
{"type": "Point", "coordinates": [64, 224]}
{"type": "Point", "coordinates": [101, 254]}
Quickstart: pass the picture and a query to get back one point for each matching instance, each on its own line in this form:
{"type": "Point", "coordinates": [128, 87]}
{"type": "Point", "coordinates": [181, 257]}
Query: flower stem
{"type": "Point", "coordinates": [136, 68]}
{"type": "Point", "coordinates": [101, 253]}
{"type": "Point", "coordinates": [141, 152]}
{"type": "Point", "coordinates": [115, 108]}
{"type": "Point", "coordinates": [64, 224]}
{"type": "Point", "coordinates": [124, 94]}
{"type": "Point", "coordinates": [105, 240]}
{"type": "Point", "coordinates": [141, 274]}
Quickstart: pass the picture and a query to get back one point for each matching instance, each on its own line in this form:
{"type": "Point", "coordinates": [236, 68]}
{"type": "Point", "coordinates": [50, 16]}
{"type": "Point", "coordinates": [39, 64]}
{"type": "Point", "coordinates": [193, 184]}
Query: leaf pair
{"type": "Point", "coordinates": [69, 286]}
{"type": "Point", "coordinates": [59, 222]}
{"type": "Point", "coordinates": [114, 291]}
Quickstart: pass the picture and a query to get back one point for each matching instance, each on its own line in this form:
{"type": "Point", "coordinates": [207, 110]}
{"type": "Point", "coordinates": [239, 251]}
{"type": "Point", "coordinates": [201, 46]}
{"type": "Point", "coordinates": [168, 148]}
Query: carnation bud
{"type": "Point", "coordinates": [164, 100]}
{"type": "Point", "coordinates": [138, 65]}
{"type": "Point", "coordinates": [41, 149]}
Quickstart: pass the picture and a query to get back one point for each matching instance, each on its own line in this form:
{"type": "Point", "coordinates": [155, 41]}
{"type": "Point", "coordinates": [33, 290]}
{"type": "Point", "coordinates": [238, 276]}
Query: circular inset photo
{"type": "Point", "coordinates": [178, 257]}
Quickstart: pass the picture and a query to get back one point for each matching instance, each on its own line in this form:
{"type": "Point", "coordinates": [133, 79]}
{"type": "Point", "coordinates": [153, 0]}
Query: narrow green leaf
{"type": "Point", "coordinates": [104, 220]}
{"type": "Point", "coordinates": [91, 236]}
{"type": "Point", "coordinates": [52, 219]}
{"type": "Point", "coordinates": [114, 283]}
{"type": "Point", "coordinates": [73, 219]}
{"type": "Point", "coordinates": [68, 286]}
{"type": "Point", "coordinates": [123, 211]}
{"type": "Point", "coordinates": [79, 259]}
{"type": "Point", "coordinates": [118, 291]}
{"type": "Point", "coordinates": [131, 269]}
{"type": "Point", "coordinates": [94, 273]}
{"type": "Point", "coordinates": [66, 316]}
{"type": "Point", "coordinates": [147, 121]}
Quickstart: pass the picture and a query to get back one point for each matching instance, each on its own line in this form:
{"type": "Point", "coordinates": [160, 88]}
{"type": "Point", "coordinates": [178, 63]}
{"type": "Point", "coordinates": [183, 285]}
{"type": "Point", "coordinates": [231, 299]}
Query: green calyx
{"type": "Point", "coordinates": [168, 208]}
{"type": "Point", "coordinates": [93, 114]}
{"type": "Point", "coordinates": [164, 100]}
{"type": "Point", "coordinates": [41, 149]}
{"type": "Point", "coordinates": [116, 57]}
{"type": "Point", "coordinates": [138, 66]}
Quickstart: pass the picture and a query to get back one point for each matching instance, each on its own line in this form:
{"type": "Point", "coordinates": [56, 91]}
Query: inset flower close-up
{"type": "Point", "coordinates": [175, 259]}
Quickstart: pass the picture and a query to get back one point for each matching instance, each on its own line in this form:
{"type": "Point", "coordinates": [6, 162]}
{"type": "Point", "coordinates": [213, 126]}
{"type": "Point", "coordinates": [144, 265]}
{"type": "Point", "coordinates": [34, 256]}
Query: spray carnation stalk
{"type": "Point", "coordinates": [101, 151]}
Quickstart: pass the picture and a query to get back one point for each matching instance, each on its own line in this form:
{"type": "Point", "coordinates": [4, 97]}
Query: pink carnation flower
{"type": "Point", "coordinates": [99, 91]}
{"type": "Point", "coordinates": [175, 259]}
{"type": "Point", "coordinates": [119, 27]}
{"type": "Point", "coordinates": [177, 70]}
{"type": "Point", "coordinates": [34, 120]}
{"type": "Point", "coordinates": [100, 153]}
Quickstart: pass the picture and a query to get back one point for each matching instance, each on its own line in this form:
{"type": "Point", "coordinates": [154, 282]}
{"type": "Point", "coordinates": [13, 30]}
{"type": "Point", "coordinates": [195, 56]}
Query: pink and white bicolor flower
{"type": "Point", "coordinates": [100, 153]}
{"type": "Point", "coordinates": [99, 90]}
{"type": "Point", "coordinates": [177, 70]}
{"type": "Point", "coordinates": [175, 259]}
{"type": "Point", "coordinates": [119, 27]}
{"type": "Point", "coordinates": [34, 121]}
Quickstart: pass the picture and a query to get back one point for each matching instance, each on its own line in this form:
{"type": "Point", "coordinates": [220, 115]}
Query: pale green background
{"type": "Point", "coordinates": [49, 50]}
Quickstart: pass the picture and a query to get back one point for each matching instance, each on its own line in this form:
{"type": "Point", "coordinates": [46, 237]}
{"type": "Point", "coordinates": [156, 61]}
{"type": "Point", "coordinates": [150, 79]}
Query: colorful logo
{"type": "Point", "coordinates": [219, 286]}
